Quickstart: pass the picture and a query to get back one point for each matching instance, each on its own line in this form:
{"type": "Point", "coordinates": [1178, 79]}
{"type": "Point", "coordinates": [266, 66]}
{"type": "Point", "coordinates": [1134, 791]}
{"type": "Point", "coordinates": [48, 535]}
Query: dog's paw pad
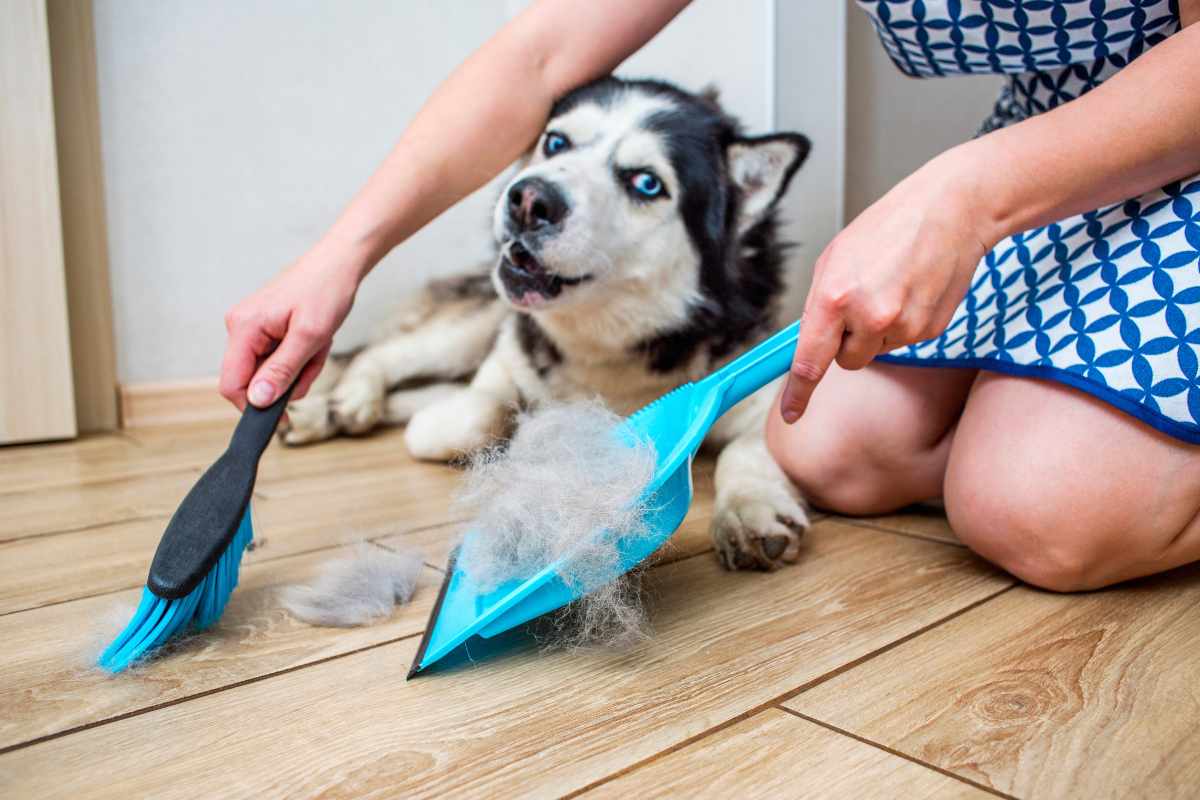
{"type": "Point", "coordinates": [755, 535]}
{"type": "Point", "coordinates": [774, 546]}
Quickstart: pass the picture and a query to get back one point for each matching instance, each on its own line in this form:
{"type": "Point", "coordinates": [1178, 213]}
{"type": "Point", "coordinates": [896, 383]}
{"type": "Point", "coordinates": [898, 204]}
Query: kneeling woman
{"type": "Point", "coordinates": [1045, 278]}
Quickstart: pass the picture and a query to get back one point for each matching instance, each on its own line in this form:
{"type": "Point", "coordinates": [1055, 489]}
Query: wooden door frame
{"type": "Point", "coordinates": [84, 223]}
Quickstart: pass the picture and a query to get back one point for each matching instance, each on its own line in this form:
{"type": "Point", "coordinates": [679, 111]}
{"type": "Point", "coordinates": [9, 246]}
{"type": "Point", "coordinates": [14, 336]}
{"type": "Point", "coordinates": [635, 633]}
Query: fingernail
{"type": "Point", "coordinates": [790, 416]}
{"type": "Point", "coordinates": [261, 393]}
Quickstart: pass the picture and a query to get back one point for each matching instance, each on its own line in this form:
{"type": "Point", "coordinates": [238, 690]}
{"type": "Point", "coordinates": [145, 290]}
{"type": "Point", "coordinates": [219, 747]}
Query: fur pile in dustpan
{"type": "Point", "coordinates": [565, 487]}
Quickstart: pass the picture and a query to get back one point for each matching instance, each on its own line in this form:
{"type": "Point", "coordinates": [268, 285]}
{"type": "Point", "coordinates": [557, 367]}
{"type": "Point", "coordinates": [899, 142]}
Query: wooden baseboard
{"type": "Point", "coordinates": [172, 403]}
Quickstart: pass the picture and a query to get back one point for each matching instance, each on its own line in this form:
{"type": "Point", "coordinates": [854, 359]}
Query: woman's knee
{"type": "Point", "coordinates": [1036, 483]}
{"type": "Point", "coordinates": [843, 473]}
{"type": "Point", "coordinates": [823, 470]}
{"type": "Point", "coordinates": [872, 440]}
{"type": "Point", "coordinates": [1036, 534]}
{"type": "Point", "coordinates": [1036, 545]}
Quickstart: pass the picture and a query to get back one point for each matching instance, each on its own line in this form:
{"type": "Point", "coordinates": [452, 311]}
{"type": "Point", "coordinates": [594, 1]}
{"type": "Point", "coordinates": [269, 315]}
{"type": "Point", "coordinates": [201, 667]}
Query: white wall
{"type": "Point", "coordinates": [233, 133]}
{"type": "Point", "coordinates": [894, 123]}
{"type": "Point", "coordinates": [810, 92]}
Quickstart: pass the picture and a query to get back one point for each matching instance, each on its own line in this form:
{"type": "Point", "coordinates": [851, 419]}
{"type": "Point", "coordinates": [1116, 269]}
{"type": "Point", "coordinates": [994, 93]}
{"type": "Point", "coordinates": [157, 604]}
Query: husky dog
{"type": "Point", "coordinates": [637, 250]}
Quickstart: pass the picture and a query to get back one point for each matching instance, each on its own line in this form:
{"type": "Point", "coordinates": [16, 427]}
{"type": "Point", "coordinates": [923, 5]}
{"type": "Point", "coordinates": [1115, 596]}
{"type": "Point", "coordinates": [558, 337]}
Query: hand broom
{"type": "Point", "coordinates": [195, 568]}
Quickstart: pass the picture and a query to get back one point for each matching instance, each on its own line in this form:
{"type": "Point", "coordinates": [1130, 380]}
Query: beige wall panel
{"type": "Point", "coordinates": [36, 396]}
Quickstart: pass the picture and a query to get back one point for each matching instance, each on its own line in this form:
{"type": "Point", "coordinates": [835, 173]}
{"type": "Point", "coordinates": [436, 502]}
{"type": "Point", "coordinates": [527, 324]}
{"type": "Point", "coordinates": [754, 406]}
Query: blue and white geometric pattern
{"type": "Point", "coordinates": [1107, 301]}
{"type": "Point", "coordinates": [950, 37]}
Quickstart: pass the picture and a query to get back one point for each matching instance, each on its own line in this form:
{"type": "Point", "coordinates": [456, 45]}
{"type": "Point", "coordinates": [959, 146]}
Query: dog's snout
{"type": "Point", "coordinates": [534, 203]}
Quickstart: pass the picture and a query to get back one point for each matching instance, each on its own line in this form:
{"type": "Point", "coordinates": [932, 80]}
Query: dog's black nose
{"type": "Point", "coordinates": [534, 203]}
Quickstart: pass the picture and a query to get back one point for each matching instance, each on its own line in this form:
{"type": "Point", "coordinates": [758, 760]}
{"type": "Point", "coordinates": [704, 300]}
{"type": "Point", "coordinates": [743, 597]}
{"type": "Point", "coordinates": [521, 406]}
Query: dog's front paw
{"type": "Point", "coordinates": [455, 427]}
{"type": "Point", "coordinates": [308, 420]}
{"type": "Point", "coordinates": [754, 533]}
{"type": "Point", "coordinates": [357, 404]}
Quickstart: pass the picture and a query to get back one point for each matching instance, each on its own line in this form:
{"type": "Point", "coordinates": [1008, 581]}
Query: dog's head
{"type": "Point", "coordinates": [635, 184]}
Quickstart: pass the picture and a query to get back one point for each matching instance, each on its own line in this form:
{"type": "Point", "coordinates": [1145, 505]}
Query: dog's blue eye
{"type": "Point", "coordinates": [555, 143]}
{"type": "Point", "coordinates": [647, 184]}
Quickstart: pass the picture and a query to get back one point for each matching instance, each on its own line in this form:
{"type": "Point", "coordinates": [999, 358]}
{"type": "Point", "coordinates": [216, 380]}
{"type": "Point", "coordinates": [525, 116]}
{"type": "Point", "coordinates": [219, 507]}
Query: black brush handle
{"type": "Point", "coordinates": [207, 519]}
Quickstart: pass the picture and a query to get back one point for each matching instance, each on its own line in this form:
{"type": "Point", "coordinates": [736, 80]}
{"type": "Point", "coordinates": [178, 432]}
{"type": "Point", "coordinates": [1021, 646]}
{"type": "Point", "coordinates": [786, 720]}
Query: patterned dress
{"type": "Point", "coordinates": [1107, 301]}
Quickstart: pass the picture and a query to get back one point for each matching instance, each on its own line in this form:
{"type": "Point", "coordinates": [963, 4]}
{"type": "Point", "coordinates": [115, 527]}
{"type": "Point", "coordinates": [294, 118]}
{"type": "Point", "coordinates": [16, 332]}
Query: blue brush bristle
{"type": "Point", "coordinates": [157, 620]}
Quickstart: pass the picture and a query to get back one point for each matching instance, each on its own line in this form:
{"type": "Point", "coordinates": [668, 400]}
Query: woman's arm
{"type": "Point", "coordinates": [490, 109]}
{"type": "Point", "coordinates": [1135, 132]}
{"type": "Point", "coordinates": [895, 275]}
{"type": "Point", "coordinates": [479, 121]}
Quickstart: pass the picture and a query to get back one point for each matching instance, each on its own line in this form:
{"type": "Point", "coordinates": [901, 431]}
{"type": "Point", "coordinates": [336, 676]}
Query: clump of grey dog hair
{"type": "Point", "coordinates": [359, 589]}
{"type": "Point", "coordinates": [567, 486]}
{"type": "Point", "coordinates": [612, 616]}
{"type": "Point", "coordinates": [107, 625]}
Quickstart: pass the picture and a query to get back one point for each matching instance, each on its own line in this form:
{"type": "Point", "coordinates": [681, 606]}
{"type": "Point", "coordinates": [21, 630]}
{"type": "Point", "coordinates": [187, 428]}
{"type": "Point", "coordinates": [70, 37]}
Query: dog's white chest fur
{"type": "Point", "coordinates": [622, 383]}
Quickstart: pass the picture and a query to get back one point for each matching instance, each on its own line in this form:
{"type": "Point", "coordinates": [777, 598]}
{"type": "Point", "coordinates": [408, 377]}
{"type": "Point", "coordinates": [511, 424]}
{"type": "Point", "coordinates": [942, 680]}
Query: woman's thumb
{"type": "Point", "coordinates": [281, 368]}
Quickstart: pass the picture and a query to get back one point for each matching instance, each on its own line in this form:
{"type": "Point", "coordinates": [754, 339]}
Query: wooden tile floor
{"type": "Point", "coordinates": [889, 663]}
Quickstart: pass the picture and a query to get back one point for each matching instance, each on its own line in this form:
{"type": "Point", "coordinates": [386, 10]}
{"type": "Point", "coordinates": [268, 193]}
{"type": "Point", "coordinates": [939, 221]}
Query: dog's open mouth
{"type": "Point", "coordinates": [527, 281]}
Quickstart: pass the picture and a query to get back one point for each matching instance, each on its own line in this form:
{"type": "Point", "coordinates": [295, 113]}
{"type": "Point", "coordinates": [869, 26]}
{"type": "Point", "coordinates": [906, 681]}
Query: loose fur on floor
{"type": "Point", "coordinates": [359, 589]}
{"type": "Point", "coordinates": [102, 631]}
{"type": "Point", "coordinates": [107, 626]}
{"type": "Point", "coordinates": [566, 487]}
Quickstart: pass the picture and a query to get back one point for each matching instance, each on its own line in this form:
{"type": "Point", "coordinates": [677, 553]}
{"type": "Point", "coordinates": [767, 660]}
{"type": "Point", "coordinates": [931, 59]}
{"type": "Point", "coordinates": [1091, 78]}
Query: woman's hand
{"type": "Point", "coordinates": [285, 329]}
{"type": "Point", "coordinates": [893, 277]}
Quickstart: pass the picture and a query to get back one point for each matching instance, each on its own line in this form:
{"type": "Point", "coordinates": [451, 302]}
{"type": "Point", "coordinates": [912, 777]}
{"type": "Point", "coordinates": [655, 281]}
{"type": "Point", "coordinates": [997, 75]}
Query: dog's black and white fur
{"type": "Point", "coordinates": [637, 251]}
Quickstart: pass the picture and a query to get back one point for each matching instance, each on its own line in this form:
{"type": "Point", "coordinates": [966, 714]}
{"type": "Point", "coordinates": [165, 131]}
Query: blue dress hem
{"type": "Point", "coordinates": [1159, 422]}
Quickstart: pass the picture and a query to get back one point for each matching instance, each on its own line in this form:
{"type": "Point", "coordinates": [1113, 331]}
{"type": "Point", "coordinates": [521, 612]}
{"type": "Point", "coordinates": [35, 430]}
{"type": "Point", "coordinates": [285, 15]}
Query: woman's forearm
{"type": "Point", "coordinates": [486, 114]}
{"type": "Point", "coordinates": [1136, 132]}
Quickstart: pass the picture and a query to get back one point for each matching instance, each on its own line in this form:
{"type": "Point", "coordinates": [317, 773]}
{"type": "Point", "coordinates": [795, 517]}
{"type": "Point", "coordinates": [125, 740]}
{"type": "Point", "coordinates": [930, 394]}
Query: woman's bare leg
{"type": "Point", "coordinates": [872, 440]}
{"type": "Point", "coordinates": [1066, 492]}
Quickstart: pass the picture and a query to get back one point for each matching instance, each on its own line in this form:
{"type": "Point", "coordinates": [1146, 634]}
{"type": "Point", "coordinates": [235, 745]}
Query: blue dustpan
{"type": "Point", "coordinates": [676, 423]}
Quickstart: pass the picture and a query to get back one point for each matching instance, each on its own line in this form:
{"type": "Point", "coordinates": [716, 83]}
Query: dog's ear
{"type": "Point", "coordinates": [710, 95]}
{"type": "Point", "coordinates": [761, 167]}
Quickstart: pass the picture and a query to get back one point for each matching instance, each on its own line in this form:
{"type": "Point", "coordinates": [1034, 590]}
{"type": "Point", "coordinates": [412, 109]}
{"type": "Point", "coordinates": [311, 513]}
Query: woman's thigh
{"type": "Point", "coordinates": [872, 440]}
{"type": "Point", "coordinates": [1065, 491]}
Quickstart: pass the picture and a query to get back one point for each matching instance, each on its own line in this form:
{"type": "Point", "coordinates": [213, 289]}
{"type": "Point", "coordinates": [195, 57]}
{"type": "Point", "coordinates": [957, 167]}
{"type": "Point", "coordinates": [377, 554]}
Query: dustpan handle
{"type": "Point", "coordinates": [756, 367]}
